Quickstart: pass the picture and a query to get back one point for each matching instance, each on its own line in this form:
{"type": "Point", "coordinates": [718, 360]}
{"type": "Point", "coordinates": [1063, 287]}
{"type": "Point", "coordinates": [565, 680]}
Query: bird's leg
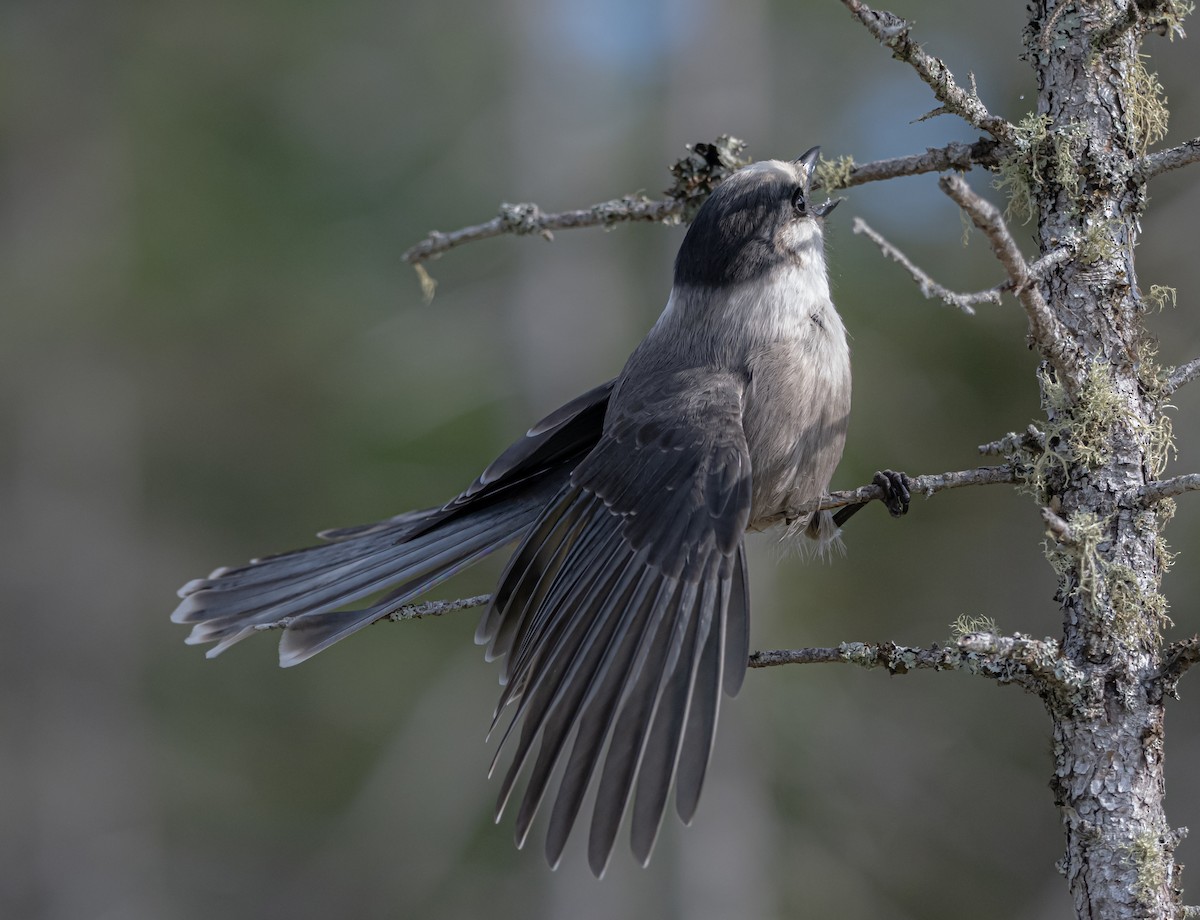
{"type": "Point", "coordinates": [895, 496]}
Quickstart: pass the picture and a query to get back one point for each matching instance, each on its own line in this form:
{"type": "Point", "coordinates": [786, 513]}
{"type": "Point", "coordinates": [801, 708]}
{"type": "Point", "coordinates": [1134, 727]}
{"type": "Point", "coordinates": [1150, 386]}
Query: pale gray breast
{"type": "Point", "coordinates": [796, 413]}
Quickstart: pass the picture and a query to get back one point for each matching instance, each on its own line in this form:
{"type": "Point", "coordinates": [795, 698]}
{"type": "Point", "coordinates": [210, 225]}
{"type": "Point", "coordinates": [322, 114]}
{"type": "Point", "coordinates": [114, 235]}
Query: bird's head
{"type": "Point", "coordinates": [756, 220]}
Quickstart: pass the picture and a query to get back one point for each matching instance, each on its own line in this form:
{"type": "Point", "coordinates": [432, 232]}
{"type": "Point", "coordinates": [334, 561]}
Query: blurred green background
{"type": "Point", "coordinates": [210, 349]}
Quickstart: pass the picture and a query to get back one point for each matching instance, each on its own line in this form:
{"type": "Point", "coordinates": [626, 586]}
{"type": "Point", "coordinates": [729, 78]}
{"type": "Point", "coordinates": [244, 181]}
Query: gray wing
{"type": "Point", "coordinates": [624, 612]}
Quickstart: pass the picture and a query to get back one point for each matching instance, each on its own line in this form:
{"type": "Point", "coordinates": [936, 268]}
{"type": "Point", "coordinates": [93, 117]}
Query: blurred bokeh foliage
{"type": "Point", "coordinates": [210, 349]}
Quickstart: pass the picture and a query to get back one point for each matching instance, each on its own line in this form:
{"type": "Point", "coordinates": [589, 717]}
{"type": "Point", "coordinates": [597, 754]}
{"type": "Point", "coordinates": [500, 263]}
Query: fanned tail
{"type": "Point", "coordinates": [305, 589]}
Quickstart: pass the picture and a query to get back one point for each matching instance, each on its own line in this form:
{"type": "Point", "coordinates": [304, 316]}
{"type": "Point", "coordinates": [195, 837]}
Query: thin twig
{"type": "Point", "coordinates": [1161, 161]}
{"type": "Point", "coordinates": [409, 612]}
{"type": "Point", "coordinates": [1036, 664]}
{"type": "Point", "coordinates": [931, 289]}
{"type": "Point", "coordinates": [928, 287]}
{"type": "Point", "coordinates": [1047, 332]}
{"type": "Point", "coordinates": [1168, 488]}
{"type": "Point", "coordinates": [1182, 376]}
{"type": "Point", "coordinates": [893, 32]}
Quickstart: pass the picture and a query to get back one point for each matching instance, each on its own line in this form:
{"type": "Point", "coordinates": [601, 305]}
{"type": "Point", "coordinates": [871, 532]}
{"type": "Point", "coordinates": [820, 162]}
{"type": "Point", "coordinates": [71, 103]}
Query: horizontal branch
{"type": "Point", "coordinates": [1161, 161]}
{"type": "Point", "coordinates": [1047, 332]}
{"type": "Point", "coordinates": [1169, 488]}
{"type": "Point", "coordinates": [893, 33]}
{"type": "Point", "coordinates": [957, 155]}
{"type": "Point", "coordinates": [1183, 375]}
{"type": "Point", "coordinates": [927, 485]}
{"type": "Point", "coordinates": [1036, 664]}
{"type": "Point", "coordinates": [527, 219]}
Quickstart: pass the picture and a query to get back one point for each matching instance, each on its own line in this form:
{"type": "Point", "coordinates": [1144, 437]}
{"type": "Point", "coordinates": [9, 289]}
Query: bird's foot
{"type": "Point", "coordinates": [895, 491]}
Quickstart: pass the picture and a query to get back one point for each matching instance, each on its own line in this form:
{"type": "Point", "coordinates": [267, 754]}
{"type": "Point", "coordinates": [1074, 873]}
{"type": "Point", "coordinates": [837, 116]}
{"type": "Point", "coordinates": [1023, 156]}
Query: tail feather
{"type": "Point", "coordinates": [301, 590]}
{"type": "Point", "coordinates": [315, 632]}
{"type": "Point", "coordinates": [304, 589]}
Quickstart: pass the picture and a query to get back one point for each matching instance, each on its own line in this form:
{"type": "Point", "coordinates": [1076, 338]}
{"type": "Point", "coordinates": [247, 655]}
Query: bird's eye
{"type": "Point", "coordinates": [799, 205]}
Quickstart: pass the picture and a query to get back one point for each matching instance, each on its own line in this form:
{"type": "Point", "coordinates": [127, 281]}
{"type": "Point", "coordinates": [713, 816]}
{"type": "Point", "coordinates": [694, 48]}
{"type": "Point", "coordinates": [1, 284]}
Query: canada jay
{"type": "Point", "coordinates": [623, 613]}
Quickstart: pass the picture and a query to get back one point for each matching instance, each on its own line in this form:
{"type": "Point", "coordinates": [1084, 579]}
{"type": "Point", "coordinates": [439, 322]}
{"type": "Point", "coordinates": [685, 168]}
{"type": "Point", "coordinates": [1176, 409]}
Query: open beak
{"type": "Point", "coordinates": [808, 160]}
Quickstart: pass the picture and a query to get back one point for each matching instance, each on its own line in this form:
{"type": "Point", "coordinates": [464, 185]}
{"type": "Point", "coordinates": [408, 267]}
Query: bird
{"type": "Point", "coordinates": [622, 615]}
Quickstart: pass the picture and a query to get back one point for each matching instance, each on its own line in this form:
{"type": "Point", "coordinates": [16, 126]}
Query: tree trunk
{"type": "Point", "coordinates": [1106, 436]}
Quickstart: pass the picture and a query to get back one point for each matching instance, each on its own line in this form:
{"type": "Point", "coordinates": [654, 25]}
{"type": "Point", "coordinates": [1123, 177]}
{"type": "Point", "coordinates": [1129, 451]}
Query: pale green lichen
{"type": "Point", "coordinates": [1145, 107]}
{"type": "Point", "coordinates": [1087, 533]}
{"type": "Point", "coordinates": [1076, 430]}
{"type": "Point", "coordinates": [1155, 381]}
{"type": "Point", "coordinates": [1160, 444]}
{"type": "Point", "coordinates": [966, 625]}
{"type": "Point", "coordinates": [1042, 154]}
{"type": "Point", "coordinates": [834, 174]}
{"type": "Point", "coordinates": [428, 284]}
{"type": "Point", "coordinates": [1164, 511]}
{"type": "Point", "coordinates": [1173, 15]}
{"type": "Point", "coordinates": [1138, 613]}
{"type": "Point", "coordinates": [1019, 172]}
{"type": "Point", "coordinates": [1099, 241]}
{"type": "Point", "coordinates": [1159, 294]}
{"type": "Point", "coordinates": [1150, 860]}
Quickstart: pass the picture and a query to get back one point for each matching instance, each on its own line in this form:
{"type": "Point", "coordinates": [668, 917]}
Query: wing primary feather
{"type": "Point", "coordinates": [577, 687]}
{"type": "Point", "coordinates": [627, 745]}
{"type": "Point", "coordinates": [519, 562]}
{"type": "Point", "coordinates": [585, 633]}
{"type": "Point", "coordinates": [595, 713]}
{"type": "Point", "coordinates": [568, 636]}
{"type": "Point", "coordinates": [666, 736]}
{"type": "Point", "coordinates": [737, 626]}
{"type": "Point", "coordinates": [523, 601]}
{"type": "Point", "coordinates": [702, 715]}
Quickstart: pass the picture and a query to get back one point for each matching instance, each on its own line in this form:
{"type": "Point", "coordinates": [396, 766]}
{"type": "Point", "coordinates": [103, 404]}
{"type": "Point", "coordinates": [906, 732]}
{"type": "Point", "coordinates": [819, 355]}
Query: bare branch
{"type": "Point", "coordinates": [931, 289]}
{"type": "Point", "coordinates": [524, 219]}
{"type": "Point", "coordinates": [928, 287]}
{"type": "Point", "coordinates": [893, 32]}
{"type": "Point", "coordinates": [1036, 664]}
{"type": "Point", "coordinates": [928, 485]}
{"type": "Point", "coordinates": [527, 219]}
{"type": "Point", "coordinates": [1031, 439]}
{"type": "Point", "coordinates": [1182, 376]}
{"type": "Point", "coordinates": [1161, 161]}
{"type": "Point", "coordinates": [956, 155]}
{"type": "Point", "coordinates": [1178, 659]}
{"type": "Point", "coordinates": [1169, 488]}
{"type": "Point", "coordinates": [1047, 332]}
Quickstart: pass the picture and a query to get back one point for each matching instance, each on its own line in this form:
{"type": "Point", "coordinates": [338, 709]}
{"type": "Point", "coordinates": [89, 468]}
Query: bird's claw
{"type": "Point", "coordinates": [895, 487]}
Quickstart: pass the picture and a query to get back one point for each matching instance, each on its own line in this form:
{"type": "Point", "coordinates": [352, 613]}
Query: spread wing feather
{"type": "Point", "coordinates": [620, 615]}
